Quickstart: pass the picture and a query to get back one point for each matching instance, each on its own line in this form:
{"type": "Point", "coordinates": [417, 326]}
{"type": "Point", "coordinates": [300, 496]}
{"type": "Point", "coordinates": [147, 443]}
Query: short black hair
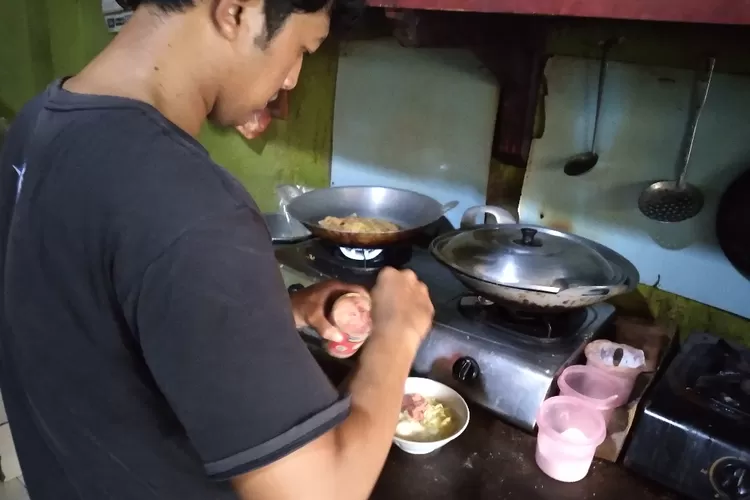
{"type": "Point", "coordinates": [343, 12]}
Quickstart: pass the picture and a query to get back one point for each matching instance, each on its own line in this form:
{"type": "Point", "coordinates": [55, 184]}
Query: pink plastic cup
{"type": "Point", "coordinates": [601, 390]}
{"type": "Point", "coordinates": [570, 430]}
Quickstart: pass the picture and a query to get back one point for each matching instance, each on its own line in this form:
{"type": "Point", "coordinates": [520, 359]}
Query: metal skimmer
{"type": "Point", "coordinates": [676, 201]}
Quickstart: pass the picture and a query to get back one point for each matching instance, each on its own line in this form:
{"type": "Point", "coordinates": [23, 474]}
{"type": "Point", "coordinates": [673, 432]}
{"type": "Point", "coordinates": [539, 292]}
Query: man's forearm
{"type": "Point", "coordinates": [344, 463]}
{"type": "Point", "coordinates": [377, 389]}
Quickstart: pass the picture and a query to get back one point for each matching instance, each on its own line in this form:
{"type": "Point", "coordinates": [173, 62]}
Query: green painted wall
{"type": "Point", "coordinates": [25, 65]}
{"type": "Point", "coordinates": [295, 150]}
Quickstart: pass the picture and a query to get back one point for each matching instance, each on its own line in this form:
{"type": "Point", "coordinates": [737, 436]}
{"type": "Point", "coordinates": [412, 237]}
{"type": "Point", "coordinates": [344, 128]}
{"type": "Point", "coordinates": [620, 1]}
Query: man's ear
{"type": "Point", "coordinates": [228, 15]}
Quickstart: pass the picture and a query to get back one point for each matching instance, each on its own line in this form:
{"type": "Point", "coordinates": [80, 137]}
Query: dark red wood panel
{"type": "Point", "coordinates": [694, 11]}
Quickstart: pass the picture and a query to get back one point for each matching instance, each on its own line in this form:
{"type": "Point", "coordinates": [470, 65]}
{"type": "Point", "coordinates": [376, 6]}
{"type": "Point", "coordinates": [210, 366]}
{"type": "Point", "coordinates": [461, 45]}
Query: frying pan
{"type": "Point", "coordinates": [411, 211]}
{"type": "Point", "coordinates": [733, 223]}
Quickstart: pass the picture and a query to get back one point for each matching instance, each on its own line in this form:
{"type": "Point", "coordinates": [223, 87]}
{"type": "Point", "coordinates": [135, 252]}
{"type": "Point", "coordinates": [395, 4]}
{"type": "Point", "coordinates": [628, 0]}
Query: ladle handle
{"type": "Point", "coordinates": [702, 86]}
{"type": "Point", "coordinates": [606, 47]}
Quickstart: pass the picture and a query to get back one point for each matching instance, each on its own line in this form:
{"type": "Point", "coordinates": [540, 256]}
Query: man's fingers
{"type": "Point", "coordinates": [326, 330]}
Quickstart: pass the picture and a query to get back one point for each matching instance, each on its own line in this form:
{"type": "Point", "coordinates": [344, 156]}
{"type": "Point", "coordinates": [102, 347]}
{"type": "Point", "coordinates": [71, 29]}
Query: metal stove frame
{"type": "Point", "coordinates": [510, 375]}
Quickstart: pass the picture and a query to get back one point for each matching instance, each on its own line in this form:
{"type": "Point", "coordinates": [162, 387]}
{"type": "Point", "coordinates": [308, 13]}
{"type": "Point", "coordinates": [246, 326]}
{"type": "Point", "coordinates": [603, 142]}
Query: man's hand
{"type": "Point", "coordinates": [311, 304]}
{"type": "Point", "coordinates": [401, 307]}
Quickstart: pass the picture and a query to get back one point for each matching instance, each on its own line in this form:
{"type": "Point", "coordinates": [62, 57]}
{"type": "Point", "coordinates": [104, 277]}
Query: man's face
{"type": "Point", "coordinates": [258, 67]}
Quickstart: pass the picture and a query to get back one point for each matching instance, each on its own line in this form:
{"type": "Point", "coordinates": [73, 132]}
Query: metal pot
{"type": "Point", "coordinates": [411, 211]}
{"type": "Point", "coordinates": [532, 267]}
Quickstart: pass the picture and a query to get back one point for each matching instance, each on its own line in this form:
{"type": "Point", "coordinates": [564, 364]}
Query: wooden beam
{"type": "Point", "coordinates": [689, 11]}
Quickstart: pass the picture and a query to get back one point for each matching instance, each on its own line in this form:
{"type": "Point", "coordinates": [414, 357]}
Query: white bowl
{"type": "Point", "coordinates": [431, 389]}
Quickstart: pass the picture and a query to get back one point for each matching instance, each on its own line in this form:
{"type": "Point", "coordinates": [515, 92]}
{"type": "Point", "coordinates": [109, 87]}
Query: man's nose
{"type": "Point", "coordinates": [291, 79]}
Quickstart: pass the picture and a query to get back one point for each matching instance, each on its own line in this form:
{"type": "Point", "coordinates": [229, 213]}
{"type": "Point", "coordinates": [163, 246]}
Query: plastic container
{"type": "Point", "coordinates": [353, 321]}
{"type": "Point", "coordinates": [344, 349]}
{"type": "Point", "coordinates": [350, 313]}
{"type": "Point", "coordinates": [602, 391]}
{"type": "Point", "coordinates": [570, 430]}
{"type": "Point", "coordinates": [598, 354]}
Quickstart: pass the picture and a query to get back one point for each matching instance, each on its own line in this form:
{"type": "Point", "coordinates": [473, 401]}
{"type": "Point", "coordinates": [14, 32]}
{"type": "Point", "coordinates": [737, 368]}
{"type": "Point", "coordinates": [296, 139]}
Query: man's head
{"type": "Point", "coordinates": [257, 46]}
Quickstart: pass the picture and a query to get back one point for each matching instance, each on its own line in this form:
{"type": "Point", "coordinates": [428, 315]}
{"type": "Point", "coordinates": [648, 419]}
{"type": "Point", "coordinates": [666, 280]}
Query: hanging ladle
{"type": "Point", "coordinates": [583, 162]}
{"type": "Point", "coordinates": [677, 201]}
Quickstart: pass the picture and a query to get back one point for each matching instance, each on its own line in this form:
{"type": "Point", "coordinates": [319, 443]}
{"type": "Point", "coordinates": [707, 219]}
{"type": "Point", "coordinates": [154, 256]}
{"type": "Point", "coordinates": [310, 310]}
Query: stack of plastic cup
{"type": "Point", "coordinates": [570, 430]}
{"type": "Point", "coordinates": [597, 388]}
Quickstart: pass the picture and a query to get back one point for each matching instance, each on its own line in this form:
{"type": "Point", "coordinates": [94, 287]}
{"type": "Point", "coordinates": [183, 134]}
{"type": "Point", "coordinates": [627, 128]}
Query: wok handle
{"type": "Point", "coordinates": [501, 216]}
{"type": "Point", "coordinates": [287, 192]}
{"type": "Point", "coordinates": [597, 291]}
{"type": "Point", "coordinates": [310, 332]}
{"type": "Point", "coordinates": [449, 206]}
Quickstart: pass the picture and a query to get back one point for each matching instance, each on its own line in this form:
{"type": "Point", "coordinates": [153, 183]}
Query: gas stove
{"type": "Point", "coordinates": [699, 412]}
{"type": "Point", "coordinates": [499, 358]}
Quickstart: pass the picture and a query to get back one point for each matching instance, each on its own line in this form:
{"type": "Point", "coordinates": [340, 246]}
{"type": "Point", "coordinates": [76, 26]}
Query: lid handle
{"type": "Point", "coordinates": [527, 238]}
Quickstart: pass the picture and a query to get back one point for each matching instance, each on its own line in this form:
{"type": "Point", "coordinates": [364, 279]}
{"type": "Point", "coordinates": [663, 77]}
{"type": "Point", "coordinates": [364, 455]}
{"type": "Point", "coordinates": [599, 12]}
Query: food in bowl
{"type": "Point", "coordinates": [356, 224]}
{"type": "Point", "coordinates": [424, 419]}
{"type": "Point", "coordinates": [452, 401]}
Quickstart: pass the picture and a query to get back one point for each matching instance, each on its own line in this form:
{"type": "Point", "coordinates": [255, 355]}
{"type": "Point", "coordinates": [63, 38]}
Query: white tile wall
{"type": "Point", "coordinates": [9, 465]}
{"type": "Point", "coordinates": [8, 457]}
{"type": "Point", "coordinates": [643, 118]}
{"type": "Point", "coordinates": [13, 490]}
{"type": "Point", "coordinates": [3, 416]}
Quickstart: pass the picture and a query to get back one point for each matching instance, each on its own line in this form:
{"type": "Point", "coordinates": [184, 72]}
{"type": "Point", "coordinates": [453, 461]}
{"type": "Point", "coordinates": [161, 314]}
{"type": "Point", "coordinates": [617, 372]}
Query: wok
{"type": "Point", "coordinates": [528, 299]}
{"type": "Point", "coordinates": [411, 211]}
{"type": "Point", "coordinates": [733, 223]}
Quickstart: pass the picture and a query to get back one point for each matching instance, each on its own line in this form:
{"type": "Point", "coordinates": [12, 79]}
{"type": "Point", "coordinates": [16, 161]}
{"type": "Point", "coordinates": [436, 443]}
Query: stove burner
{"type": "Point", "coordinates": [534, 326]}
{"type": "Point", "coordinates": [339, 261]}
{"type": "Point", "coordinates": [722, 377]}
{"type": "Point", "coordinates": [360, 253]}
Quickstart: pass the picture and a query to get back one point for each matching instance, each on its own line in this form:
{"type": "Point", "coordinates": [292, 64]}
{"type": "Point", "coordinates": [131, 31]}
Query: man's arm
{"type": "Point", "coordinates": [345, 462]}
{"type": "Point", "coordinates": [218, 334]}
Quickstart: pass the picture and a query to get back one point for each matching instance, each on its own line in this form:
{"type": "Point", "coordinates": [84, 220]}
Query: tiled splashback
{"type": "Point", "coordinates": [641, 129]}
{"type": "Point", "coordinates": [414, 118]}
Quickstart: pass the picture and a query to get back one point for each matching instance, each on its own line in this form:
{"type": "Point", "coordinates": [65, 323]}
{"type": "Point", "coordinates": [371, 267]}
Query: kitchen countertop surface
{"type": "Point", "coordinates": [492, 460]}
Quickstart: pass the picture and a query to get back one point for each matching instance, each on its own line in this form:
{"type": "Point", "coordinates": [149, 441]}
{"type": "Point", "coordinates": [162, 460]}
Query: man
{"type": "Point", "coordinates": [149, 347]}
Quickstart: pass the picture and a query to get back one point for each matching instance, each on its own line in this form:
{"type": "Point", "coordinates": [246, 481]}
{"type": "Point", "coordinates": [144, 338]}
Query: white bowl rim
{"type": "Point", "coordinates": [456, 433]}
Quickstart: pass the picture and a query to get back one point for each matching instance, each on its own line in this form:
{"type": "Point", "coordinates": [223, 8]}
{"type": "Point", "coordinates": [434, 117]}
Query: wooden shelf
{"type": "Point", "coordinates": [688, 11]}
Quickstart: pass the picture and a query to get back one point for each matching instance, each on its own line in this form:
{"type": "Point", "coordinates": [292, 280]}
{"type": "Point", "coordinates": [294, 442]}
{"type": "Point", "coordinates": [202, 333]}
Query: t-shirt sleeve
{"type": "Point", "coordinates": [217, 332]}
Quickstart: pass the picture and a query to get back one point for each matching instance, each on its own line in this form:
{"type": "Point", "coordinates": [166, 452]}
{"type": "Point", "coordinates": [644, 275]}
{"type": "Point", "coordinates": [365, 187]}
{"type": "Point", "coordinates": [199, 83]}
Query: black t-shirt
{"type": "Point", "coordinates": [147, 343]}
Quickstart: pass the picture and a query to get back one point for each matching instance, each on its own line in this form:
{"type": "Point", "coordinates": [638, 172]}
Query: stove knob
{"type": "Point", "coordinates": [295, 288]}
{"type": "Point", "coordinates": [730, 478]}
{"type": "Point", "coordinates": [465, 369]}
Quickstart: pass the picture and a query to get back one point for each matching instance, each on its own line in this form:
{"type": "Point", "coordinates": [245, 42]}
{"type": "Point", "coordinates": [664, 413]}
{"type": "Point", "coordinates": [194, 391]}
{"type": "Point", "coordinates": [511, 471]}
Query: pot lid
{"type": "Point", "coordinates": [527, 257]}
